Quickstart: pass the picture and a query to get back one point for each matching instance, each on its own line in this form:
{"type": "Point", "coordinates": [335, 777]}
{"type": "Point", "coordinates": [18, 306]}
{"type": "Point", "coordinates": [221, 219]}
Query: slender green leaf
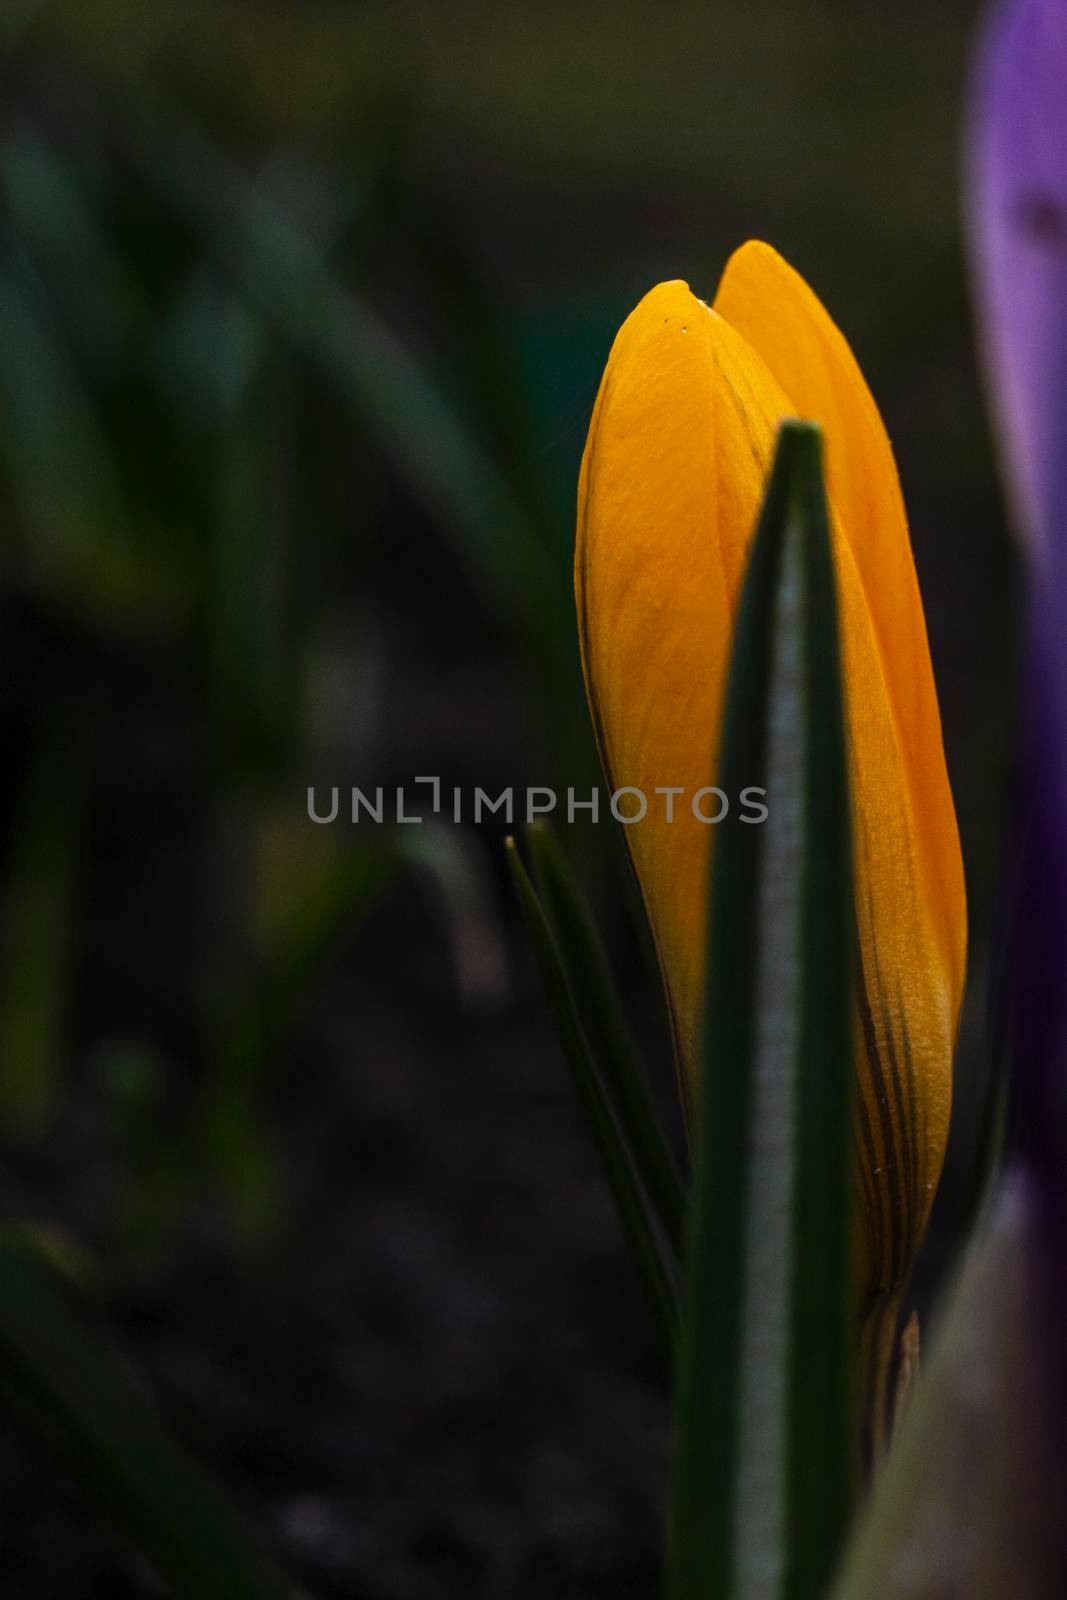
{"type": "Point", "coordinates": [62, 472]}
{"type": "Point", "coordinates": [73, 533]}
{"type": "Point", "coordinates": [214, 341]}
{"type": "Point", "coordinates": [763, 1452]}
{"type": "Point", "coordinates": [634, 1208]}
{"type": "Point", "coordinates": [468, 305]}
{"type": "Point", "coordinates": [251, 583]}
{"type": "Point", "coordinates": [59, 220]}
{"type": "Point", "coordinates": [310, 886]}
{"type": "Point", "coordinates": [64, 1383]}
{"type": "Point", "coordinates": [280, 271]}
{"type": "Point", "coordinates": [458, 872]}
{"type": "Point", "coordinates": [821, 1397]}
{"type": "Point", "coordinates": [600, 1008]}
{"type": "Point", "coordinates": [42, 877]}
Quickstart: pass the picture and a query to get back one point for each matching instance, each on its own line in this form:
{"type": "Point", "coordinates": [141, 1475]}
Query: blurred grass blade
{"type": "Point", "coordinates": [634, 1208]}
{"type": "Point", "coordinates": [53, 212]}
{"type": "Point", "coordinates": [279, 269]}
{"type": "Point", "coordinates": [213, 340]}
{"type": "Point", "coordinates": [309, 886]}
{"type": "Point", "coordinates": [252, 580]}
{"type": "Point", "coordinates": [763, 1451]}
{"type": "Point", "coordinates": [482, 338]}
{"type": "Point", "coordinates": [42, 873]}
{"type": "Point", "coordinates": [600, 1009]}
{"type": "Point", "coordinates": [457, 869]}
{"type": "Point", "coordinates": [64, 1383]}
{"type": "Point", "coordinates": [64, 479]}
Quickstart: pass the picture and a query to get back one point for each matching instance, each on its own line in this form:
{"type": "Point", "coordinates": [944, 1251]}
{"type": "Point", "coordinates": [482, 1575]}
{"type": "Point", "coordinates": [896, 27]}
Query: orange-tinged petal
{"type": "Point", "coordinates": [678, 449]}
{"type": "Point", "coordinates": [774, 309]}
{"type": "Point", "coordinates": [907, 1004]}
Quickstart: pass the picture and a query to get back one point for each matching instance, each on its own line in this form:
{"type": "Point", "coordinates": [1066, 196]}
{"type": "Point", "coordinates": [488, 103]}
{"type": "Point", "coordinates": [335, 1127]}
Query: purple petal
{"type": "Point", "coordinates": [1018, 202]}
{"type": "Point", "coordinates": [1018, 223]}
{"type": "Point", "coordinates": [1018, 215]}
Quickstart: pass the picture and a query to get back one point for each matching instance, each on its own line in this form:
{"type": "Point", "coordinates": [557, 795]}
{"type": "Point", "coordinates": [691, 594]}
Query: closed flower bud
{"type": "Point", "coordinates": [679, 446]}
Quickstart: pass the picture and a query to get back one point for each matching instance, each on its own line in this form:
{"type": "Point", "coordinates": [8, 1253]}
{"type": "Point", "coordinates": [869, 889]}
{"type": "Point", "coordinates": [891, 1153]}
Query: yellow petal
{"type": "Point", "coordinates": [772, 307]}
{"type": "Point", "coordinates": [911, 904]}
{"type": "Point", "coordinates": [907, 1002]}
{"type": "Point", "coordinates": [678, 449]}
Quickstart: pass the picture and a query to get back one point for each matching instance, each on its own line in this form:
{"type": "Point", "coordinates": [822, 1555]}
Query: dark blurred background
{"type": "Point", "coordinates": [302, 312]}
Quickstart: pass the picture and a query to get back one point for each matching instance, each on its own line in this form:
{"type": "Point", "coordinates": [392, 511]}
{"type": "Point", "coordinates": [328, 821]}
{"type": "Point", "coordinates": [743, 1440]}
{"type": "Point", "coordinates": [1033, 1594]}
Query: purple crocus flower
{"type": "Point", "coordinates": [1018, 204]}
{"type": "Point", "coordinates": [1018, 216]}
{"type": "Point", "coordinates": [1017, 195]}
{"type": "Point", "coordinates": [971, 1499]}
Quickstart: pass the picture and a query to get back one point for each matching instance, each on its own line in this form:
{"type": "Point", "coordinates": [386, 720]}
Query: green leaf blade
{"type": "Point", "coordinates": [42, 884]}
{"type": "Point", "coordinates": [62, 1381]}
{"type": "Point", "coordinates": [821, 1396]}
{"type": "Point", "coordinates": [602, 1014]}
{"type": "Point", "coordinates": [636, 1214]}
{"type": "Point", "coordinates": [763, 1452]}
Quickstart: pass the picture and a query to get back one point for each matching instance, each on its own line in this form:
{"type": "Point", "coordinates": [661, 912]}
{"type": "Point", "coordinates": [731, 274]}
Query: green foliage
{"type": "Point", "coordinates": [180, 308]}
{"type": "Point", "coordinates": [764, 1405]}
{"type": "Point", "coordinates": [604, 1022]}
{"type": "Point", "coordinates": [165, 495]}
{"type": "Point", "coordinates": [43, 870]}
{"type": "Point", "coordinates": [67, 1389]}
{"type": "Point", "coordinates": [276, 268]}
{"type": "Point", "coordinates": [763, 1416]}
{"type": "Point", "coordinates": [652, 1252]}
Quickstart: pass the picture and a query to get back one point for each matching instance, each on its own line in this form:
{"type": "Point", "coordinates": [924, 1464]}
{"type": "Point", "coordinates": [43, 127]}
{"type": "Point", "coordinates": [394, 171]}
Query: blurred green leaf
{"type": "Point", "coordinates": [483, 344]}
{"type": "Point", "coordinates": [58, 459]}
{"type": "Point", "coordinates": [312, 885]}
{"type": "Point", "coordinates": [66, 1387]}
{"type": "Point", "coordinates": [253, 668]}
{"type": "Point", "coordinates": [42, 875]}
{"type": "Point", "coordinates": [213, 342]}
{"type": "Point", "coordinates": [763, 1459]}
{"type": "Point", "coordinates": [74, 537]}
{"type": "Point", "coordinates": [63, 228]}
{"type": "Point", "coordinates": [600, 1008]}
{"type": "Point", "coordinates": [209, 350]}
{"type": "Point", "coordinates": [309, 886]}
{"type": "Point", "coordinates": [280, 271]}
{"type": "Point", "coordinates": [457, 867]}
{"type": "Point", "coordinates": [636, 1212]}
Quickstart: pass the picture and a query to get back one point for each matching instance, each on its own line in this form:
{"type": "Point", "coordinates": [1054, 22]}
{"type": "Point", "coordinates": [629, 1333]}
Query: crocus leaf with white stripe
{"type": "Point", "coordinates": [763, 1456]}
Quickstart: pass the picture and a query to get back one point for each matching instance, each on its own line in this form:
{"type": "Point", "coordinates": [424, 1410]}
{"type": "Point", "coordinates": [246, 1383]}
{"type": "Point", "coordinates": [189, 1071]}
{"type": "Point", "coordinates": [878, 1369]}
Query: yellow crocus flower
{"type": "Point", "coordinates": [679, 446]}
